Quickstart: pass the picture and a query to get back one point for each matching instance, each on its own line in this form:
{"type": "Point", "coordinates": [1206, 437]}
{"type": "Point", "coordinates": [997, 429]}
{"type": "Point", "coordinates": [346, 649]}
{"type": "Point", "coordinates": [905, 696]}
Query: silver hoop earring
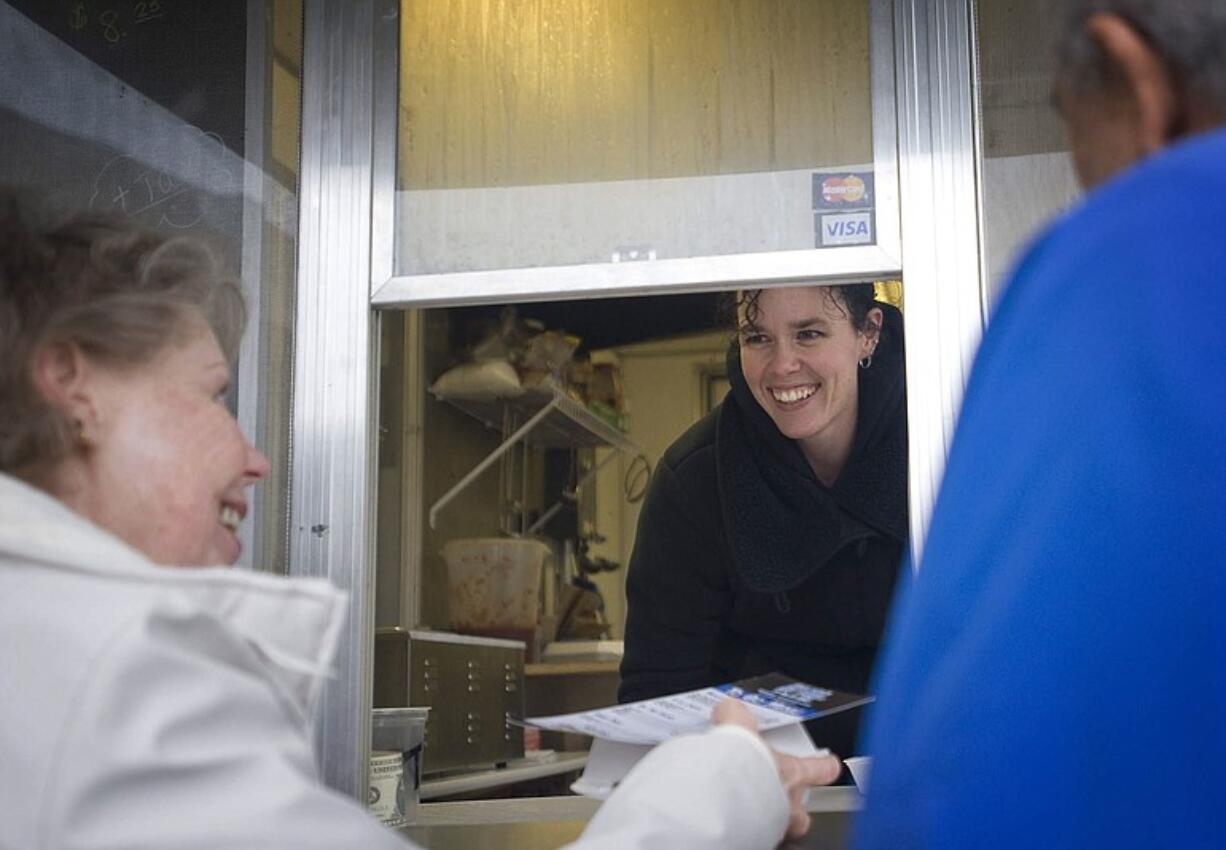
{"type": "Point", "coordinates": [866, 362]}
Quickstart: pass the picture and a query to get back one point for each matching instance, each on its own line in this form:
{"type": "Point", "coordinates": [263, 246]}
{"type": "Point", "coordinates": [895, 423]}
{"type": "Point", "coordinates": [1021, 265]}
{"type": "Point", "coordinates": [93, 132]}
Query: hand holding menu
{"type": "Point", "coordinates": [625, 733]}
{"type": "Point", "coordinates": [775, 700]}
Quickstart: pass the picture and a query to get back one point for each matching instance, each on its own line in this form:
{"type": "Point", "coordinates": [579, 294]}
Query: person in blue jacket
{"type": "Point", "coordinates": [1055, 676]}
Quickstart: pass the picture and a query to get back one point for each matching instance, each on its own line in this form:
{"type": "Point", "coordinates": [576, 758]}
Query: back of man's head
{"type": "Point", "coordinates": [1138, 75]}
{"type": "Point", "coordinates": [1189, 35]}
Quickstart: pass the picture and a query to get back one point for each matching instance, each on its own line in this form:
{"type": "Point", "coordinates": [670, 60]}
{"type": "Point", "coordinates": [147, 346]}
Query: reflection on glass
{"type": "Point", "coordinates": [558, 132]}
{"type": "Point", "coordinates": [183, 117]}
{"type": "Point", "coordinates": [1027, 172]}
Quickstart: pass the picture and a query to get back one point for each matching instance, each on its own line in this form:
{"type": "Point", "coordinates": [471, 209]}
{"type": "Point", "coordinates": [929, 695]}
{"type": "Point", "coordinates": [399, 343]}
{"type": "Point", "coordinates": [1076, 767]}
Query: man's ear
{"type": "Point", "coordinates": [64, 377]}
{"type": "Point", "coordinates": [1149, 85]}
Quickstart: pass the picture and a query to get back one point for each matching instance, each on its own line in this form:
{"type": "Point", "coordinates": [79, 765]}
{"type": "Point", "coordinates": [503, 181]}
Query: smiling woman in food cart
{"type": "Point", "coordinates": [774, 527]}
{"type": "Point", "coordinates": [151, 702]}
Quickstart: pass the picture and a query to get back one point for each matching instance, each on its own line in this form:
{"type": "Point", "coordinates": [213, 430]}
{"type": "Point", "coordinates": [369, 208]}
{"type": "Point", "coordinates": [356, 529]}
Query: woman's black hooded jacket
{"type": "Point", "coordinates": [744, 563]}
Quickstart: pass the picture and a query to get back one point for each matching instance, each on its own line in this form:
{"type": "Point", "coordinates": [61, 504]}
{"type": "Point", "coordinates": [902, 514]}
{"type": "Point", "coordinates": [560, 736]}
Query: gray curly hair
{"type": "Point", "coordinates": [117, 292]}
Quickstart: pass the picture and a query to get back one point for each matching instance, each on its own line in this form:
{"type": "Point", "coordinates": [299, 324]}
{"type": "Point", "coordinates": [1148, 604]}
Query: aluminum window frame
{"type": "Point", "coordinates": [335, 384]}
{"type": "Point", "coordinates": [668, 276]}
{"type": "Point", "coordinates": [252, 391]}
{"type": "Point", "coordinates": [923, 90]}
{"type": "Point", "coordinates": [939, 176]}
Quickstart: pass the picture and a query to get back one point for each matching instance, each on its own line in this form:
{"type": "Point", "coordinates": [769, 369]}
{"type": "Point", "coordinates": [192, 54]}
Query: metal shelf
{"type": "Point", "coordinates": [551, 419]}
{"type": "Point", "coordinates": [519, 770]}
{"type": "Point", "coordinates": [609, 666]}
{"type": "Point", "coordinates": [568, 424]}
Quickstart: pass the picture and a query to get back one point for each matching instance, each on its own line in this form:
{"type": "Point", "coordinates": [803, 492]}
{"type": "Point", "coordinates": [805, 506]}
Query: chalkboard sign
{"type": "Point", "coordinates": [131, 106]}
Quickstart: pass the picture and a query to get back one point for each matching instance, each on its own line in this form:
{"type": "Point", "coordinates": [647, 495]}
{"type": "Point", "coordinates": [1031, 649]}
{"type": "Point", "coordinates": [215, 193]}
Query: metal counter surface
{"type": "Point", "coordinates": [546, 823]}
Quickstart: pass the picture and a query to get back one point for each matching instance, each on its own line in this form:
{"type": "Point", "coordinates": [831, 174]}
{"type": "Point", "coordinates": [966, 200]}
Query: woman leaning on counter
{"type": "Point", "coordinates": [774, 527]}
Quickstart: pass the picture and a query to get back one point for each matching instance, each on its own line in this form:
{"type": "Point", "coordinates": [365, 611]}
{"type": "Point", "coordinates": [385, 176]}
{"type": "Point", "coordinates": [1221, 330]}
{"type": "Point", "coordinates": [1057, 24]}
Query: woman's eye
{"type": "Point", "coordinates": [809, 335]}
{"type": "Point", "coordinates": [754, 339]}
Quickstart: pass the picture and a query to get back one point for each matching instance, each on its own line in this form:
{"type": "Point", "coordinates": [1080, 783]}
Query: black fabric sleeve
{"type": "Point", "coordinates": [677, 592]}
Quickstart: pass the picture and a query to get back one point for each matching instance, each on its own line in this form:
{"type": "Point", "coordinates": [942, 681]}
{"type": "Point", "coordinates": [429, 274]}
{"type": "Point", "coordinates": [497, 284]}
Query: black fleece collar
{"type": "Point", "coordinates": [782, 523]}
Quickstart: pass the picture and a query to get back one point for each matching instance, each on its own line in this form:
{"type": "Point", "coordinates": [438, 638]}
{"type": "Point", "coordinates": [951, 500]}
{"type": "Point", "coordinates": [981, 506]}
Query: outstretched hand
{"type": "Point", "coordinates": [797, 775]}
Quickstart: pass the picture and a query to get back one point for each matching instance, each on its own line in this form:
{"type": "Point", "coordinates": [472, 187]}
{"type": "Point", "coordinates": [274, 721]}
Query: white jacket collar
{"type": "Point", "coordinates": [294, 623]}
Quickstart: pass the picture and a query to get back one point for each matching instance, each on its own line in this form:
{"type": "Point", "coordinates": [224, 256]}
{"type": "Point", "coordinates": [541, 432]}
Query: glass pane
{"type": "Point", "coordinates": [559, 132]}
{"type": "Point", "coordinates": [636, 373]}
{"type": "Point", "coordinates": [184, 117]}
{"type": "Point", "coordinates": [1027, 171]}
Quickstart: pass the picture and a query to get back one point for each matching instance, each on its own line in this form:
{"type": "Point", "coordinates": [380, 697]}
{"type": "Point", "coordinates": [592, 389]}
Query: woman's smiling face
{"type": "Point", "coordinates": [799, 355]}
{"type": "Point", "coordinates": [167, 467]}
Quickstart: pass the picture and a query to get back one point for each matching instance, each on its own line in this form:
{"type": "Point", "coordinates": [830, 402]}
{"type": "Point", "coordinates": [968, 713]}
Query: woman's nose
{"type": "Point", "coordinates": [257, 465]}
{"type": "Point", "coordinates": [785, 360]}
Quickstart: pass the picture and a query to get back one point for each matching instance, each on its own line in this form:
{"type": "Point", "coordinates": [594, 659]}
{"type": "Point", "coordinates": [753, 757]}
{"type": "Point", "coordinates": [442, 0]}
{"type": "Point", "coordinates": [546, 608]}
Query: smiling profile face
{"type": "Point", "coordinates": [167, 468]}
{"type": "Point", "coordinates": [799, 356]}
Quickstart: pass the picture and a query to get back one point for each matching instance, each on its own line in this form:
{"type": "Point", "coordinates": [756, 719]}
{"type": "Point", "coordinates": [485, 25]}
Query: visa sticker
{"type": "Point", "coordinates": [845, 229]}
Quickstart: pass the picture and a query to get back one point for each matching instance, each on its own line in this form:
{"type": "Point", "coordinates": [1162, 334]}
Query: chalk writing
{"type": "Point", "coordinates": [78, 20]}
{"type": "Point", "coordinates": [110, 26]}
{"type": "Point", "coordinates": [128, 186]}
{"type": "Point", "coordinates": [133, 187]}
{"type": "Point", "coordinates": [111, 19]}
{"type": "Point", "coordinates": [147, 11]}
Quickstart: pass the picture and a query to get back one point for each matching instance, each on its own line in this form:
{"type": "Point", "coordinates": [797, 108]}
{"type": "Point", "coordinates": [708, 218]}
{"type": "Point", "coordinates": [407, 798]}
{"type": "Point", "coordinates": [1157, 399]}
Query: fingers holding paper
{"type": "Point", "coordinates": [796, 774]}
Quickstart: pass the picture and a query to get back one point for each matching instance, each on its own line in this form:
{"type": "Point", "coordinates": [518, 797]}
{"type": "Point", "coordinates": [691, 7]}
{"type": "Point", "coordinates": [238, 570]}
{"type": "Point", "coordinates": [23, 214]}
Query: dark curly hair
{"type": "Point", "coordinates": [854, 300]}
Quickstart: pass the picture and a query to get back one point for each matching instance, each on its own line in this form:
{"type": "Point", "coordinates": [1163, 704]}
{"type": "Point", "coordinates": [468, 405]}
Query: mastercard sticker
{"type": "Point", "coordinates": [843, 191]}
{"type": "Point", "coordinates": [846, 189]}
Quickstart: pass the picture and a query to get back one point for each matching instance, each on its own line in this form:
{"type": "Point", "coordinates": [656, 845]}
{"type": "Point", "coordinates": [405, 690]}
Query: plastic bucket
{"type": "Point", "coordinates": [395, 783]}
{"type": "Point", "coordinates": [495, 585]}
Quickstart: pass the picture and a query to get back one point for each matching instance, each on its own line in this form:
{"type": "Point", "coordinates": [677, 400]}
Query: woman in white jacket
{"type": "Point", "coordinates": [153, 707]}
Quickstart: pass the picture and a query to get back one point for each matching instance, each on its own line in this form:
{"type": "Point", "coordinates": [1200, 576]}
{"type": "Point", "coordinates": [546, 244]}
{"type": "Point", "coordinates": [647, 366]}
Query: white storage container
{"type": "Point", "coordinates": [495, 586]}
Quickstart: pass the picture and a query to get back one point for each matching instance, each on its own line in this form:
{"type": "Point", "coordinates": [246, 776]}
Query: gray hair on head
{"type": "Point", "coordinates": [1189, 35]}
{"type": "Point", "coordinates": [116, 292]}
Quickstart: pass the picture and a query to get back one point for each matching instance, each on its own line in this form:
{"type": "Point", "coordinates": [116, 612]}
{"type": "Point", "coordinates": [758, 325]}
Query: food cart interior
{"type": "Point", "coordinates": [543, 508]}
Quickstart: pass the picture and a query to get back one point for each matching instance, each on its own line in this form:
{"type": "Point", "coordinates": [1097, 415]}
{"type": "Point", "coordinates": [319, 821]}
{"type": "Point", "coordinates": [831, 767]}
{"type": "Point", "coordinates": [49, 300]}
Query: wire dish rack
{"type": "Point", "coordinates": [550, 419]}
